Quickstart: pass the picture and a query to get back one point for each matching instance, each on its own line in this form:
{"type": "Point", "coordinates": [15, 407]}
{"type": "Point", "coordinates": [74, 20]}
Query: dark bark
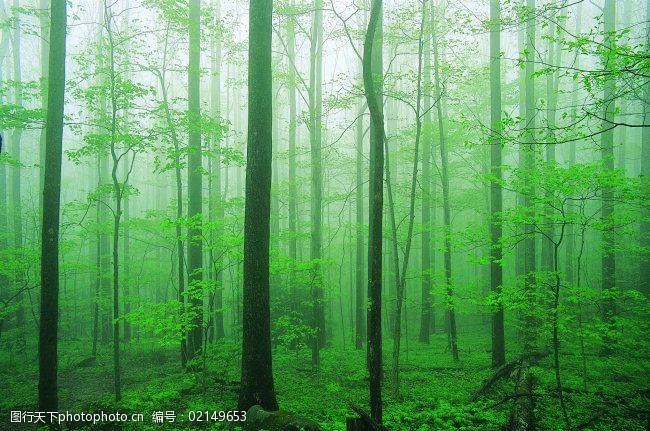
{"type": "Point", "coordinates": [372, 70]}
{"type": "Point", "coordinates": [257, 370]}
{"type": "Point", "coordinates": [49, 313]}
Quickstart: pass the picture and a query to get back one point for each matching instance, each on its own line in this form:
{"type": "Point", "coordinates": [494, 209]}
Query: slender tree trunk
{"type": "Point", "coordinates": [425, 312]}
{"type": "Point", "coordinates": [401, 282]}
{"type": "Point", "coordinates": [608, 258]}
{"type": "Point", "coordinates": [4, 45]}
{"type": "Point", "coordinates": [16, 188]}
{"type": "Point", "coordinates": [315, 113]}
{"type": "Point", "coordinates": [360, 300]}
{"type": "Point", "coordinates": [257, 370]}
{"type": "Point", "coordinates": [126, 297]}
{"type": "Point", "coordinates": [293, 192]}
{"type": "Point", "coordinates": [118, 192]}
{"type": "Point", "coordinates": [496, 193]}
{"type": "Point", "coordinates": [216, 194]}
{"type": "Point", "coordinates": [49, 313]}
{"type": "Point", "coordinates": [373, 70]}
{"type": "Point", "coordinates": [645, 172]}
{"type": "Point", "coordinates": [446, 210]}
{"type": "Point", "coordinates": [529, 156]}
{"type": "Point", "coordinates": [44, 24]}
{"type": "Point", "coordinates": [552, 83]}
{"type": "Point", "coordinates": [194, 185]}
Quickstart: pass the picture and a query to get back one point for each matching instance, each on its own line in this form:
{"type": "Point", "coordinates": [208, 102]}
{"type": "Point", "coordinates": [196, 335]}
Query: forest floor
{"type": "Point", "coordinates": [434, 394]}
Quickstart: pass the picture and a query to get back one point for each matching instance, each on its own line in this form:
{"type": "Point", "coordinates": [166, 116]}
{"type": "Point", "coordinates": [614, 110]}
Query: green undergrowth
{"type": "Point", "coordinates": [434, 391]}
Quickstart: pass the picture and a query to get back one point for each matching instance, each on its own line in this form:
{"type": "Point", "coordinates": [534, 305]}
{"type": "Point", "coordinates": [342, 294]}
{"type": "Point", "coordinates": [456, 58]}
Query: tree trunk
{"type": "Point", "coordinates": [644, 270]}
{"type": "Point", "coordinates": [257, 371]}
{"type": "Point", "coordinates": [608, 258]}
{"type": "Point", "coordinates": [49, 313]}
{"type": "Point", "coordinates": [16, 192]}
{"type": "Point", "coordinates": [425, 312]}
{"type": "Point", "coordinates": [360, 300]}
{"type": "Point", "coordinates": [194, 185]}
{"type": "Point", "coordinates": [315, 113]}
{"type": "Point", "coordinates": [216, 198]}
{"type": "Point", "coordinates": [446, 210]}
{"type": "Point", "coordinates": [496, 193]}
{"type": "Point", "coordinates": [373, 70]}
{"type": "Point", "coordinates": [529, 156]}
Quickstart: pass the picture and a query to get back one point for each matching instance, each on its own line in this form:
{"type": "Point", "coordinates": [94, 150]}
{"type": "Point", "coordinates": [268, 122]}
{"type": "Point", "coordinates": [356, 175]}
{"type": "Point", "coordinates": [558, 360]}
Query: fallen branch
{"type": "Point", "coordinates": [503, 371]}
{"type": "Point", "coordinates": [367, 419]}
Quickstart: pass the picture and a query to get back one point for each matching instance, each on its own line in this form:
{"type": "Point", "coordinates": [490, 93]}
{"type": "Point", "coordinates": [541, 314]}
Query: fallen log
{"type": "Point", "coordinates": [503, 371]}
{"type": "Point", "coordinates": [369, 424]}
{"type": "Point", "coordinates": [522, 417]}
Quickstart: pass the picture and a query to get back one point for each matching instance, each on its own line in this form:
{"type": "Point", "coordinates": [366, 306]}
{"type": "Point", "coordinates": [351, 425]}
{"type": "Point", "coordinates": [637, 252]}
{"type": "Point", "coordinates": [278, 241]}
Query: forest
{"type": "Point", "coordinates": [325, 215]}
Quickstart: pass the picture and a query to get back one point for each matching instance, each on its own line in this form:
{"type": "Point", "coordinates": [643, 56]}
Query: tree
{"type": "Point", "coordinates": [446, 205]}
{"type": "Point", "coordinates": [49, 314]}
{"type": "Point", "coordinates": [194, 184]}
{"type": "Point", "coordinates": [528, 160]}
{"type": "Point", "coordinates": [496, 193]}
{"type": "Point", "coordinates": [16, 180]}
{"type": "Point", "coordinates": [257, 370]}
{"type": "Point", "coordinates": [372, 69]}
{"type": "Point", "coordinates": [426, 311]}
{"type": "Point", "coordinates": [315, 125]}
{"type": "Point", "coordinates": [645, 171]}
{"type": "Point", "coordinates": [608, 257]}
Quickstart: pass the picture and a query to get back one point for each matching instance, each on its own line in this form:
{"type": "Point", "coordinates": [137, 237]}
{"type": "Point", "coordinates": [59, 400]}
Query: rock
{"type": "Point", "coordinates": [258, 419]}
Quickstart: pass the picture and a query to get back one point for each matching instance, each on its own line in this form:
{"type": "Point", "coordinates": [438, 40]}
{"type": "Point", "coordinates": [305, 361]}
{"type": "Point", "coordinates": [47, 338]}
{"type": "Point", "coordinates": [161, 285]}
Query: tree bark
{"type": "Point", "coordinates": [49, 313]}
{"type": "Point", "coordinates": [496, 193]}
{"type": "Point", "coordinates": [608, 257]}
{"type": "Point", "coordinates": [446, 205]}
{"type": "Point", "coordinates": [194, 185]}
{"type": "Point", "coordinates": [315, 113]}
{"type": "Point", "coordinates": [257, 370]}
{"type": "Point", "coordinates": [373, 70]}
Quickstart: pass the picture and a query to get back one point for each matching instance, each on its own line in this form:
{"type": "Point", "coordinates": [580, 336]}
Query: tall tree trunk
{"type": "Point", "coordinates": [446, 210]}
{"type": "Point", "coordinates": [215, 186]}
{"type": "Point", "coordinates": [293, 192]}
{"type": "Point", "coordinates": [4, 281]}
{"type": "Point", "coordinates": [552, 83]}
{"type": "Point", "coordinates": [360, 300]}
{"type": "Point", "coordinates": [257, 370]}
{"type": "Point", "coordinates": [496, 193]}
{"type": "Point", "coordinates": [126, 297]}
{"type": "Point", "coordinates": [44, 24]}
{"type": "Point", "coordinates": [529, 156]}
{"type": "Point", "coordinates": [16, 192]}
{"type": "Point", "coordinates": [373, 70]}
{"type": "Point", "coordinates": [315, 124]}
{"type": "Point", "coordinates": [118, 192]}
{"type": "Point", "coordinates": [194, 184]}
{"type": "Point", "coordinates": [401, 276]}
{"type": "Point", "coordinates": [608, 258]}
{"type": "Point", "coordinates": [49, 313]}
{"type": "Point", "coordinates": [425, 312]}
{"type": "Point", "coordinates": [644, 272]}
